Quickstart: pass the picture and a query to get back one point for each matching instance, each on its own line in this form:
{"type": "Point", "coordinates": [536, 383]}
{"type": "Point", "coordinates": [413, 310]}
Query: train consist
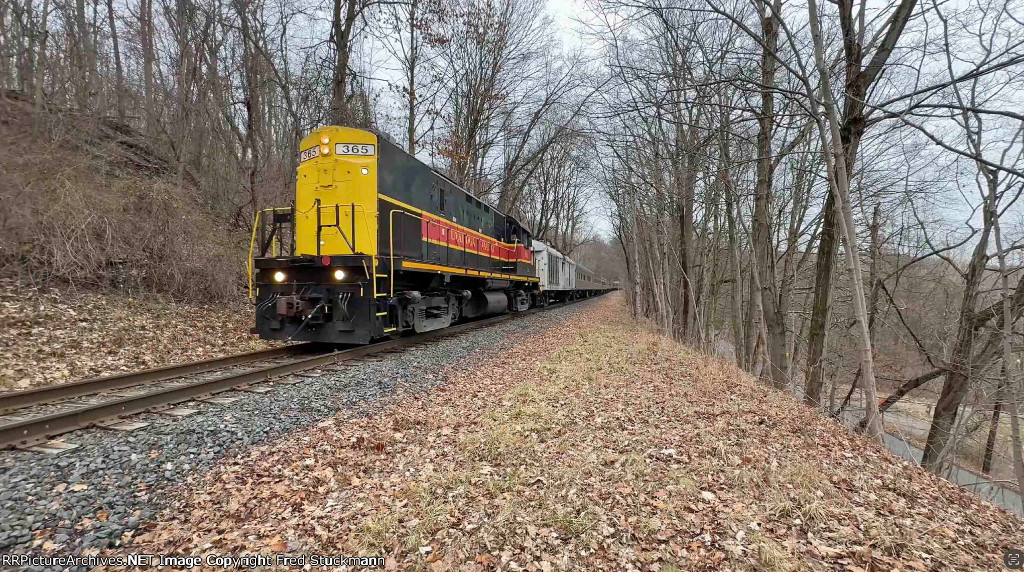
{"type": "Point", "coordinates": [378, 244]}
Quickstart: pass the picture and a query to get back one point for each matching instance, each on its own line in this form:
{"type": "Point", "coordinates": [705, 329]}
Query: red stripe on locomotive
{"type": "Point", "coordinates": [452, 235]}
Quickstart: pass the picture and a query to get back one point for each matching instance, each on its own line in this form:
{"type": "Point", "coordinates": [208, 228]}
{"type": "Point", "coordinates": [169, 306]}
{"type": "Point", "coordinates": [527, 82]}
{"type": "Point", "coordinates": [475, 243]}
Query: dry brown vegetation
{"type": "Point", "coordinates": [611, 448]}
{"type": "Point", "coordinates": [84, 200]}
{"type": "Point", "coordinates": [110, 260]}
{"type": "Point", "coordinates": [59, 335]}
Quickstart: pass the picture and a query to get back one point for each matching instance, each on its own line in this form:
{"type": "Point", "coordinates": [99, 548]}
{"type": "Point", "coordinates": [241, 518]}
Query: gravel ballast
{"type": "Point", "coordinates": [114, 483]}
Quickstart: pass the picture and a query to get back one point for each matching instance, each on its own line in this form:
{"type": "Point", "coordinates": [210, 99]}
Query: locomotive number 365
{"type": "Point", "coordinates": [353, 149]}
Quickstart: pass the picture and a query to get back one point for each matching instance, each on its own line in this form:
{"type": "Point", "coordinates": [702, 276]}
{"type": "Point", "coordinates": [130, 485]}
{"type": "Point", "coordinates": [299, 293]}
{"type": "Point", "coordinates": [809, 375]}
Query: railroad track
{"type": "Point", "coordinates": [10, 402]}
{"type": "Point", "coordinates": [32, 417]}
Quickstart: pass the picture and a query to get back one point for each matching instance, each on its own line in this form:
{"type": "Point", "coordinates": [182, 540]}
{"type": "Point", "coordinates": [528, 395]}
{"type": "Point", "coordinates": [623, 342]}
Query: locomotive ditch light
{"type": "Point", "coordinates": [364, 171]}
{"type": "Point", "coordinates": [279, 276]}
{"type": "Point", "coordinates": [339, 274]}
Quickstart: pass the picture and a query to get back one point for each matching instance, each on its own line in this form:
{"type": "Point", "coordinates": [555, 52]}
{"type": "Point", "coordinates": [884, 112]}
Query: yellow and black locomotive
{"type": "Point", "coordinates": [378, 243]}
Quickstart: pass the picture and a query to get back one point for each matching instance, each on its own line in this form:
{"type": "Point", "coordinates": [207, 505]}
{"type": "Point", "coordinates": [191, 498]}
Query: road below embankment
{"type": "Point", "coordinates": [590, 444]}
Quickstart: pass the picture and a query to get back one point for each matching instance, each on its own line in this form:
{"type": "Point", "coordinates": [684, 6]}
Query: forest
{"type": "Point", "coordinates": [825, 194]}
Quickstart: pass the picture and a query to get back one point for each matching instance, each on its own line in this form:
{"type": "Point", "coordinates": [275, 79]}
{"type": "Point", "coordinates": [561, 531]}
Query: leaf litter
{"type": "Point", "coordinates": [594, 445]}
{"type": "Point", "coordinates": [60, 335]}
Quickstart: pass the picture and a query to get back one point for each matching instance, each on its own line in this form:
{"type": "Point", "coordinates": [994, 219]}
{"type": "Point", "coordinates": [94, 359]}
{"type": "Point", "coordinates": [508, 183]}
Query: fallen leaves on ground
{"type": "Point", "coordinates": [594, 445]}
{"type": "Point", "coordinates": [62, 335]}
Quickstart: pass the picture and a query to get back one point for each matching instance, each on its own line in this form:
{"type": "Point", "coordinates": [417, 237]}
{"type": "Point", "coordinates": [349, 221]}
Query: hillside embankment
{"type": "Point", "coordinates": [113, 257]}
{"type": "Point", "coordinates": [94, 203]}
{"type": "Point", "coordinates": [597, 445]}
{"type": "Point", "coordinates": [62, 334]}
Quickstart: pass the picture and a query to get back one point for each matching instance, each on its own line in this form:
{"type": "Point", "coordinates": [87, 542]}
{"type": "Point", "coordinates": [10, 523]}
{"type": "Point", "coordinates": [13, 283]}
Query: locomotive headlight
{"type": "Point", "coordinates": [279, 276]}
{"type": "Point", "coordinates": [339, 275]}
{"type": "Point", "coordinates": [325, 150]}
{"type": "Point", "coordinates": [325, 139]}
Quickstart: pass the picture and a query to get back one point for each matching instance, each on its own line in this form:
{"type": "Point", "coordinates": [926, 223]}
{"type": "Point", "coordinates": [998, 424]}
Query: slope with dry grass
{"type": "Point", "coordinates": [595, 445]}
{"type": "Point", "coordinates": [88, 201]}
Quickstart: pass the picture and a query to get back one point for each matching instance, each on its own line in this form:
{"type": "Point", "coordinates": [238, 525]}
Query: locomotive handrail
{"type": "Point", "coordinates": [353, 208]}
{"type": "Point", "coordinates": [250, 263]}
{"type": "Point", "coordinates": [337, 224]}
{"type": "Point", "coordinates": [447, 245]}
{"type": "Point", "coordinates": [391, 244]}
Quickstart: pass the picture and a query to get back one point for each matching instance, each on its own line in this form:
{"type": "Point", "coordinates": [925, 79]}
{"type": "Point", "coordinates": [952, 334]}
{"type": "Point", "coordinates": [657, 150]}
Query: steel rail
{"type": "Point", "coordinates": [12, 401]}
{"type": "Point", "coordinates": [38, 429]}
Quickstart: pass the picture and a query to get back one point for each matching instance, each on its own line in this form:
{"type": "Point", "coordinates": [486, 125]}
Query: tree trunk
{"type": "Point", "coordinates": [118, 71]}
{"type": "Point", "coordinates": [1009, 381]}
{"type": "Point", "coordinates": [736, 298]}
{"type": "Point", "coordinates": [341, 33]}
{"type": "Point", "coordinates": [958, 376]}
{"type": "Point", "coordinates": [817, 338]}
{"type": "Point", "coordinates": [26, 64]}
{"type": "Point", "coordinates": [7, 73]}
{"type": "Point", "coordinates": [41, 58]}
{"type": "Point", "coordinates": [873, 273]}
{"type": "Point", "coordinates": [84, 88]}
{"type": "Point", "coordinates": [1018, 461]}
{"type": "Point", "coordinates": [764, 250]}
{"type": "Point", "coordinates": [839, 168]}
{"type": "Point", "coordinates": [686, 303]}
{"type": "Point", "coordinates": [411, 78]}
{"type": "Point", "coordinates": [684, 180]}
{"type": "Point", "coordinates": [993, 430]}
{"type": "Point", "coordinates": [252, 93]}
{"type": "Point", "coordinates": [851, 129]}
{"type": "Point", "coordinates": [146, 31]}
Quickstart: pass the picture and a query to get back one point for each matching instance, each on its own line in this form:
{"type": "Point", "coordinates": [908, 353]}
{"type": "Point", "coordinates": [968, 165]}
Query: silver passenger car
{"type": "Point", "coordinates": [563, 279]}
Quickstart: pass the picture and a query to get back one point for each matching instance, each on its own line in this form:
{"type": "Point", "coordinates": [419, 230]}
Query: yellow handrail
{"type": "Point", "coordinates": [249, 266]}
{"type": "Point", "coordinates": [457, 232]}
{"type": "Point", "coordinates": [252, 244]}
{"type": "Point", "coordinates": [391, 241]}
{"type": "Point", "coordinates": [391, 246]}
{"type": "Point", "coordinates": [337, 221]}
